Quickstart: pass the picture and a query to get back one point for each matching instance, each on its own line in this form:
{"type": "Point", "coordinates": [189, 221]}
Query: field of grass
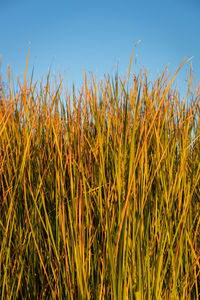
{"type": "Point", "coordinates": [100, 190]}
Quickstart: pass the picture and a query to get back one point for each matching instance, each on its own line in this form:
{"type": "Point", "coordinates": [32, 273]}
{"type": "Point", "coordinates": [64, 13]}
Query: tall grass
{"type": "Point", "coordinates": [99, 190]}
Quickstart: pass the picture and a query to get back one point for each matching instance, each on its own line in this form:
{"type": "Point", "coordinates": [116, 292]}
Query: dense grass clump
{"type": "Point", "coordinates": [100, 190]}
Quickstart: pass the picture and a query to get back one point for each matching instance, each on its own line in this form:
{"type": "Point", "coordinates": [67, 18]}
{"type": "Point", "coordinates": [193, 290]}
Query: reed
{"type": "Point", "coordinates": [100, 190]}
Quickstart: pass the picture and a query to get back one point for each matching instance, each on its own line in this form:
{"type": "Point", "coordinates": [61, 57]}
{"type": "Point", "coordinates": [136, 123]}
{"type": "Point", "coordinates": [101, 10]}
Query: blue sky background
{"type": "Point", "coordinates": [98, 35]}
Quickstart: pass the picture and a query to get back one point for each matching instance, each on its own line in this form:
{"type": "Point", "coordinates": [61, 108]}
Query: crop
{"type": "Point", "coordinates": [100, 189]}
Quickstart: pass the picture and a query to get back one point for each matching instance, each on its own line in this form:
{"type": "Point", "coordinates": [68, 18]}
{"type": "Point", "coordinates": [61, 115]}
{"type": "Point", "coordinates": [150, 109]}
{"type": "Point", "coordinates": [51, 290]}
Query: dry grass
{"type": "Point", "coordinates": [99, 191]}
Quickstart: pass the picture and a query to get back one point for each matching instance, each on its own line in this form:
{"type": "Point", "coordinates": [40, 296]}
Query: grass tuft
{"type": "Point", "coordinates": [100, 190]}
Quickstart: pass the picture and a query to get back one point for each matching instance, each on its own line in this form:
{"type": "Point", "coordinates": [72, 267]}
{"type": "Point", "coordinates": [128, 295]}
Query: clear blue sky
{"type": "Point", "coordinates": [97, 35]}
